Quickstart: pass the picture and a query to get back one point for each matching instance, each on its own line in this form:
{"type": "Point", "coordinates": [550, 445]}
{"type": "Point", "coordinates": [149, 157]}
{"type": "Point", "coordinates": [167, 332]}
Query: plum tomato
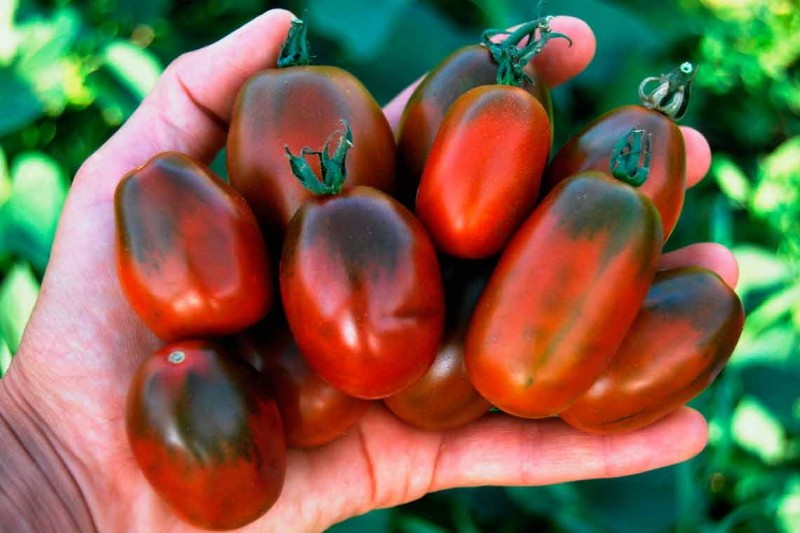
{"type": "Point", "coordinates": [564, 292]}
{"type": "Point", "coordinates": [313, 411]}
{"type": "Point", "coordinates": [482, 176]}
{"type": "Point", "coordinates": [590, 148]}
{"type": "Point", "coordinates": [299, 104]}
{"type": "Point", "coordinates": [191, 259]}
{"type": "Point", "coordinates": [206, 435]}
{"type": "Point", "coordinates": [683, 335]}
{"type": "Point", "coordinates": [466, 68]}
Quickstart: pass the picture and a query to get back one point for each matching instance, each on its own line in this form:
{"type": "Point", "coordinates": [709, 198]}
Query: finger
{"type": "Point", "coordinates": [501, 450]}
{"type": "Point", "coordinates": [557, 63]}
{"type": "Point", "coordinates": [712, 256]}
{"type": "Point", "coordinates": [190, 106]}
{"type": "Point", "coordinates": [698, 155]}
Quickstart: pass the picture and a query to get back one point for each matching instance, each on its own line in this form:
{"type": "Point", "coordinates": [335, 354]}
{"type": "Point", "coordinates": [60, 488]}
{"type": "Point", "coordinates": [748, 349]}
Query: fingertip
{"type": "Point", "coordinates": [693, 429]}
{"type": "Point", "coordinates": [698, 155]}
{"type": "Point", "coordinates": [710, 255]}
{"type": "Point", "coordinates": [560, 61]}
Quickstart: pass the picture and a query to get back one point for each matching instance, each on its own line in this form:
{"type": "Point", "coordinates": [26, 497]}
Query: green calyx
{"type": "Point", "coordinates": [332, 165]}
{"type": "Point", "coordinates": [511, 58]}
{"type": "Point", "coordinates": [670, 95]}
{"type": "Point", "coordinates": [295, 50]}
{"type": "Point", "coordinates": [630, 161]}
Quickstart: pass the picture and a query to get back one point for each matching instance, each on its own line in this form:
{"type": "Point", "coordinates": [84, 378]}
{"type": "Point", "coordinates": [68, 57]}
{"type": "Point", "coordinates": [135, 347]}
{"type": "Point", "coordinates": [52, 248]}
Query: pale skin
{"type": "Point", "coordinates": [62, 402]}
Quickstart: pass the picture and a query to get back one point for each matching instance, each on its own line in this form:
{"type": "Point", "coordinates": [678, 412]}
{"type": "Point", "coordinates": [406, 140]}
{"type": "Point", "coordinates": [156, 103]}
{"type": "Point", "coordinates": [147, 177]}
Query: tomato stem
{"type": "Point", "coordinates": [295, 50]}
{"type": "Point", "coordinates": [511, 58]}
{"type": "Point", "coordinates": [630, 161]}
{"type": "Point", "coordinates": [332, 166]}
{"type": "Point", "coordinates": [671, 95]}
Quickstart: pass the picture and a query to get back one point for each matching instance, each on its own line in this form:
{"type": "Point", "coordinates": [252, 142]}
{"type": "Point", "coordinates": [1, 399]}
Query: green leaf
{"type": "Point", "coordinates": [136, 68]}
{"type": "Point", "coordinates": [18, 294]}
{"type": "Point", "coordinates": [788, 514]}
{"type": "Point", "coordinates": [5, 357]}
{"type": "Point", "coordinates": [377, 521]}
{"type": "Point", "coordinates": [756, 430]}
{"type": "Point", "coordinates": [417, 524]}
{"type": "Point", "coordinates": [5, 178]}
{"type": "Point", "coordinates": [8, 34]}
{"type": "Point", "coordinates": [731, 180]}
{"type": "Point", "coordinates": [365, 30]}
{"type": "Point", "coordinates": [20, 105]}
{"type": "Point", "coordinates": [30, 216]}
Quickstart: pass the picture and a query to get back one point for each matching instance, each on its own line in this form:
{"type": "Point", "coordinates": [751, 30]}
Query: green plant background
{"type": "Point", "coordinates": [72, 72]}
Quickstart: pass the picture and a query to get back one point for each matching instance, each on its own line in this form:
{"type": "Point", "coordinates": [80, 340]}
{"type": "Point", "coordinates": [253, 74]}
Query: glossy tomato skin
{"type": "Point", "coordinates": [444, 398]}
{"type": "Point", "coordinates": [464, 69]}
{"type": "Point", "coordinates": [563, 294]}
{"type": "Point", "coordinates": [191, 259]}
{"type": "Point", "coordinates": [591, 148]}
{"type": "Point", "coordinates": [206, 435]}
{"type": "Point", "coordinates": [482, 176]}
{"type": "Point", "coordinates": [362, 292]}
{"type": "Point", "coordinates": [681, 339]}
{"type": "Point", "coordinates": [297, 107]}
{"type": "Point", "coordinates": [312, 410]}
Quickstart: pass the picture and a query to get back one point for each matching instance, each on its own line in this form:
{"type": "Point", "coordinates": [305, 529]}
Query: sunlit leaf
{"type": "Point", "coordinates": [759, 268]}
{"type": "Point", "coordinates": [788, 515]}
{"type": "Point", "coordinates": [5, 357]}
{"type": "Point", "coordinates": [31, 213]}
{"type": "Point", "coordinates": [756, 430]}
{"type": "Point", "coordinates": [18, 294]}
{"type": "Point", "coordinates": [8, 34]}
{"type": "Point", "coordinates": [137, 68]}
{"type": "Point", "coordinates": [5, 178]}
{"type": "Point", "coordinates": [731, 179]}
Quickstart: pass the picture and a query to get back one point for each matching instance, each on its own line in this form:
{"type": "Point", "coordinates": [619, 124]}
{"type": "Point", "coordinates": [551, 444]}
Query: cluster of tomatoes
{"type": "Point", "coordinates": [445, 272]}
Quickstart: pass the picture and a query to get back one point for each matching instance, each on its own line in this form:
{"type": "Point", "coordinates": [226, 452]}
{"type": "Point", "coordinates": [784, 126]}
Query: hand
{"type": "Point", "coordinates": [64, 396]}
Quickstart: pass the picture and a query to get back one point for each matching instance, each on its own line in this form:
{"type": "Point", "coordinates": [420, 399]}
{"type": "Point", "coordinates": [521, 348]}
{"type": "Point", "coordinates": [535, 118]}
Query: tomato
{"type": "Point", "coordinates": [590, 148]}
{"type": "Point", "coordinates": [681, 339]}
{"type": "Point", "coordinates": [466, 68]}
{"type": "Point", "coordinates": [444, 398]}
{"type": "Point", "coordinates": [191, 259]}
{"type": "Point", "coordinates": [483, 172]}
{"type": "Point", "coordinates": [563, 294]}
{"type": "Point", "coordinates": [362, 290]}
{"type": "Point", "coordinates": [298, 106]}
{"type": "Point", "coordinates": [206, 435]}
{"type": "Point", "coordinates": [313, 411]}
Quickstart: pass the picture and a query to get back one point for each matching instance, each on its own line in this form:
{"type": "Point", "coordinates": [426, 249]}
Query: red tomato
{"type": "Point", "coordinates": [444, 398]}
{"type": "Point", "coordinates": [466, 68]}
{"type": "Point", "coordinates": [362, 291]}
{"type": "Point", "coordinates": [206, 435]}
{"type": "Point", "coordinates": [299, 106]}
{"type": "Point", "coordinates": [313, 411]}
{"type": "Point", "coordinates": [681, 339]}
{"type": "Point", "coordinates": [483, 172]}
{"type": "Point", "coordinates": [190, 256]}
{"type": "Point", "coordinates": [565, 290]}
{"type": "Point", "coordinates": [590, 148]}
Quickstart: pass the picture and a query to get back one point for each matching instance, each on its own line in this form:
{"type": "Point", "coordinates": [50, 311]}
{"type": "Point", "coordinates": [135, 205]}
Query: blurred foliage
{"type": "Point", "coordinates": [72, 72]}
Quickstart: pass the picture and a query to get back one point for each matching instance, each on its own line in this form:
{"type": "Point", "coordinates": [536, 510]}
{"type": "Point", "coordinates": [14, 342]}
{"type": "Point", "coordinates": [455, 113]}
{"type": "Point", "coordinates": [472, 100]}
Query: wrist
{"type": "Point", "coordinates": [39, 492]}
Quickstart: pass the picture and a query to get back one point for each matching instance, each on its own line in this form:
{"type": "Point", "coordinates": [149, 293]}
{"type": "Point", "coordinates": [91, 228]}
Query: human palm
{"type": "Point", "coordinates": [69, 381]}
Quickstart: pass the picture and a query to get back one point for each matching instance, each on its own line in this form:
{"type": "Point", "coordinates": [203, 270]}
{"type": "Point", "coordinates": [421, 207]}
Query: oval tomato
{"type": "Point", "coordinates": [362, 291]}
{"type": "Point", "coordinates": [564, 292]}
{"type": "Point", "coordinates": [591, 147]}
{"type": "Point", "coordinates": [313, 411]}
{"type": "Point", "coordinates": [466, 68]}
{"type": "Point", "coordinates": [191, 259]}
{"type": "Point", "coordinates": [444, 398]}
{"type": "Point", "coordinates": [482, 176]}
{"type": "Point", "coordinates": [206, 435]}
{"type": "Point", "coordinates": [299, 106]}
{"type": "Point", "coordinates": [681, 339]}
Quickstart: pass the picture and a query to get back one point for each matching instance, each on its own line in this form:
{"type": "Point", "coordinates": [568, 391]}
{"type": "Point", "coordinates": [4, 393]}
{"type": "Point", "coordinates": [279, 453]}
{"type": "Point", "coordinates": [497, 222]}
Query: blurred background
{"type": "Point", "coordinates": [72, 72]}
